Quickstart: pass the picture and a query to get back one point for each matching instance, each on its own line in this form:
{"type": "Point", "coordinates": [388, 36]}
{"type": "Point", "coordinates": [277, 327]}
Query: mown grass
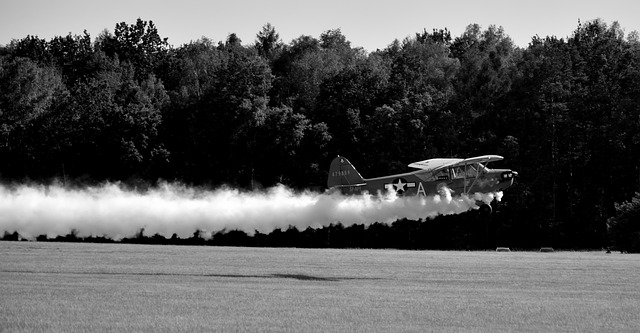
{"type": "Point", "coordinates": [63, 287]}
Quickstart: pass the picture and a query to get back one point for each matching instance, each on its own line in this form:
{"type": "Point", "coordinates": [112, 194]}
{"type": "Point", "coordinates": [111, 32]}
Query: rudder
{"type": "Point", "coordinates": [342, 172]}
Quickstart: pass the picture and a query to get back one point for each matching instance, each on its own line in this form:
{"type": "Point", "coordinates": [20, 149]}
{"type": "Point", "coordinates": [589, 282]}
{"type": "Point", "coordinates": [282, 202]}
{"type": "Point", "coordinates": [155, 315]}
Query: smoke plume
{"type": "Point", "coordinates": [114, 211]}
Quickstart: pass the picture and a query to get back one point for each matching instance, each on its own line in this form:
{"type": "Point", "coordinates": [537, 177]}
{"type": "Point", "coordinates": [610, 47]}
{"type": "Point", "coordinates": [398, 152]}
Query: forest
{"type": "Point", "coordinates": [128, 106]}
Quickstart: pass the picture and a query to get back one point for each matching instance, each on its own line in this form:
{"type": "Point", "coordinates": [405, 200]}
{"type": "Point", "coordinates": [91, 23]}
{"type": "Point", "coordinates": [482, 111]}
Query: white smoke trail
{"type": "Point", "coordinates": [110, 210]}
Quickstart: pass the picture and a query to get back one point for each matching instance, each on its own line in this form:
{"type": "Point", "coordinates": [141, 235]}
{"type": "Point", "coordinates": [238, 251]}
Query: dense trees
{"type": "Point", "coordinates": [624, 226]}
{"type": "Point", "coordinates": [564, 113]}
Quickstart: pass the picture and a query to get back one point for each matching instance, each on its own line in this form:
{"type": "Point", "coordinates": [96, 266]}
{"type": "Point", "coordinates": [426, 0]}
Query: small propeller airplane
{"type": "Point", "coordinates": [461, 176]}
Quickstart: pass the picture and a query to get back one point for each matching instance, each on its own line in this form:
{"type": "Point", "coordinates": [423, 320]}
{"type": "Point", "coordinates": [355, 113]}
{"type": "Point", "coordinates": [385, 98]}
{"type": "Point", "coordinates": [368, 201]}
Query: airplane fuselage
{"type": "Point", "coordinates": [429, 183]}
{"type": "Point", "coordinates": [461, 176]}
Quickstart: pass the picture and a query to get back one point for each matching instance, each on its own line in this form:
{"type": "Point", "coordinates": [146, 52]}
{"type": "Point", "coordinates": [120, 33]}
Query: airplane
{"type": "Point", "coordinates": [461, 176]}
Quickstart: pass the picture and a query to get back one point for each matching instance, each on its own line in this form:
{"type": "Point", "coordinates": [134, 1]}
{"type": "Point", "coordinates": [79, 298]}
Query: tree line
{"type": "Point", "coordinates": [128, 106]}
{"type": "Point", "coordinates": [469, 231]}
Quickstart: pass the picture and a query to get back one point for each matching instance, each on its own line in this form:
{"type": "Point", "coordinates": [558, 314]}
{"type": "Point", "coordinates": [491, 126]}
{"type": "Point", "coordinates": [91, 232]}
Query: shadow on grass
{"type": "Point", "coordinates": [306, 277]}
{"type": "Point", "coordinates": [301, 277]}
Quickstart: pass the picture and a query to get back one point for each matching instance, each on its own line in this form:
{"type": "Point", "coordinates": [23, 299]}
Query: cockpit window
{"type": "Point", "coordinates": [465, 171]}
{"type": "Point", "coordinates": [472, 171]}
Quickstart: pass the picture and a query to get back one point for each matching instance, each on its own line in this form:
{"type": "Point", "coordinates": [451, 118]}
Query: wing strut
{"type": "Point", "coordinates": [466, 191]}
{"type": "Point", "coordinates": [478, 171]}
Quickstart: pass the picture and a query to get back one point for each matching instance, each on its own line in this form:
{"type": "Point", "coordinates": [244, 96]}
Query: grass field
{"type": "Point", "coordinates": [61, 287]}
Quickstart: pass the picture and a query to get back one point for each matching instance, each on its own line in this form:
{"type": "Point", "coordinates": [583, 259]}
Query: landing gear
{"type": "Point", "coordinates": [485, 209]}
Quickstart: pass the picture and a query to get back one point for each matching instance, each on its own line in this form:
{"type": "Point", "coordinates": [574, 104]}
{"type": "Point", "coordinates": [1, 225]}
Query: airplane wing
{"type": "Point", "coordinates": [435, 164]}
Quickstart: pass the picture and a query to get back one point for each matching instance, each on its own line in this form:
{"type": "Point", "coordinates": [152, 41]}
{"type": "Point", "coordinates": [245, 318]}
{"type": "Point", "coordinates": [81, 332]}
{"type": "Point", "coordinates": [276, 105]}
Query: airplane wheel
{"type": "Point", "coordinates": [485, 209]}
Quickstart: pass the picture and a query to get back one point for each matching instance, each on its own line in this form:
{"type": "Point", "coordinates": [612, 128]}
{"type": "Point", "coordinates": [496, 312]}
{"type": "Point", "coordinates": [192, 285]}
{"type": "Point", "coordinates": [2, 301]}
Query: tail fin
{"type": "Point", "coordinates": [342, 172]}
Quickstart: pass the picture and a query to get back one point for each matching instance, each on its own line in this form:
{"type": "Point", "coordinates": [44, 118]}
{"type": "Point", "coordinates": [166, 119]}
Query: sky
{"type": "Point", "coordinates": [368, 24]}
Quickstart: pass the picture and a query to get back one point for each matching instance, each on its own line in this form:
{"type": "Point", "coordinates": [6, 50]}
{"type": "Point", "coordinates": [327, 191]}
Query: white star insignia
{"type": "Point", "coordinates": [399, 185]}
